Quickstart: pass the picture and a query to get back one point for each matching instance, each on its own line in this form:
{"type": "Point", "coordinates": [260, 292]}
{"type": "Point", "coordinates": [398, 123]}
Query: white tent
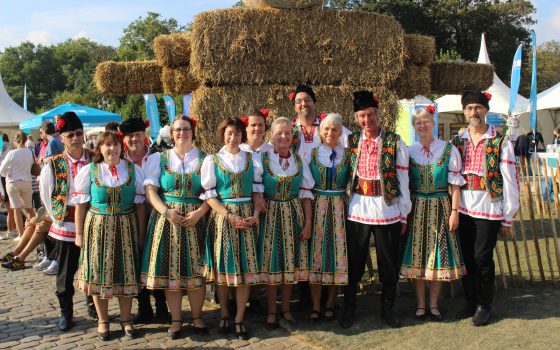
{"type": "Point", "coordinates": [499, 91]}
{"type": "Point", "coordinates": [11, 114]}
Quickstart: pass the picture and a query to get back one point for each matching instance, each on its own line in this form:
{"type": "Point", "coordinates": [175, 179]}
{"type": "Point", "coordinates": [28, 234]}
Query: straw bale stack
{"type": "Point", "coordinates": [452, 76]}
{"type": "Point", "coordinates": [415, 80]}
{"type": "Point", "coordinates": [122, 78]}
{"type": "Point", "coordinates": [212, 104]}
{"type": "Point", "coordinates": [420, 49]}
{"type": "Point", "coordinates": [286, 4]}
{"type": "Point", "coordinates": [173, 50]}
{"type": "Point", "coordinates": [178, 80]}
{"type": "Point", "coordinates": [248, 46]}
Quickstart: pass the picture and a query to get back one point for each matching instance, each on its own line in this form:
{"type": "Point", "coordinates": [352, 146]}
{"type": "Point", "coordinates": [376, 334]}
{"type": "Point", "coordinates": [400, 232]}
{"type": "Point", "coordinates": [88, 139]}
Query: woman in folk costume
{"type": "Point", "coordinates": [283, 249]}
{"type": "Point", "coordinates": [227, 178]}
{"type": "Point", "coordinates": [432, 251]}
{"type": "Point", "coordinates": [256, 130]}
{"type": "Point", "coordinates": [174, 254]}
{"type": "Point", "coordinates": [107, 232]}
{"type": "Point", "coordinates": [331, 167]}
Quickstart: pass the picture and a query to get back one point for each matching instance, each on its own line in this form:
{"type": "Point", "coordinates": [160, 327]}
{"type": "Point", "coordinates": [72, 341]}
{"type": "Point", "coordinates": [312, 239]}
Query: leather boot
{"type": "Point", "coordinates": [469, 290]}
{"type": "Point", "coordinates": [145, 313]}
{"type": "Point", "coordinates": [347, 319]}
{"type": "Point", "coordinates": [162, 313]}
{"type": "Point", "coordinates": [485, 298]}
{"type": "Point", "coordinates": [387, 302]}
{"type": "Point", "coordinates": [66, 314]}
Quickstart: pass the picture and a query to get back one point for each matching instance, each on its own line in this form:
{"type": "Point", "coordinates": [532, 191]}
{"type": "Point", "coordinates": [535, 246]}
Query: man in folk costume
{"type": "Point", "coordinates": [59, 196]}
{"type": "Point", "coordinates": [379, 204]}
{"type": "Point", "coordinates": [136, 150]}
{"type": "Point", "coordinates": [489, 201]}
{"type": "Point", "coordinates": [306, 126]}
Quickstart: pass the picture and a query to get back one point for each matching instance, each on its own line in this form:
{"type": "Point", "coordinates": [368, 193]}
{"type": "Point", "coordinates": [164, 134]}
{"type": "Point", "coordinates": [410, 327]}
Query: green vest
{"type": "Point", "coordinates": [117, 200]}
{"type": "Point", "coordinates": [493, 176]}
{"type": "Point", "coordinates": [60, 169]}
{"type": "Point", "coordinates": [387, 163]}
{"type": "Point", "coordinates": [430, 180]}
{"type": "Point", "coordinates": [234, 185]}
{"type": "Point", "coordinates": [323, 175]}
{"type": "Point", "coordinates": [281, 188]}
{"type": "Point", "coordinates": [177, 187]}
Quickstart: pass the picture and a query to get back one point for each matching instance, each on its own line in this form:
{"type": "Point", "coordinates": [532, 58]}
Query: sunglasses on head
{"type": "Point", "coordinates": [70, 135]}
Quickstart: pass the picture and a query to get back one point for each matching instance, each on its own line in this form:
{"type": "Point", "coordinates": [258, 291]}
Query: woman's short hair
{"type": "Point", "coordinates": [236, 123]}
{"type": "Point", "coordinates": [332, 118]}
{"type": "Point", "coordinates": [103, 138]}
{"type": "Point", "coordinates": [279, 121]}
{"type": "Point", "coordinates": [421, 113]}
{"type": "Point", "coordinates": [21, 138]}
{"type": "Point", "coordinates": [257, 113]}
{"type": "Point", "coordinates": [185, 118]}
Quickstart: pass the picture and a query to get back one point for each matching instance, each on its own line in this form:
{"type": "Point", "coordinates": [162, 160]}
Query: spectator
{"type": "Point", "coordinates": [5, 198]}
{"type": "Point", "coordinates": [54, 145]}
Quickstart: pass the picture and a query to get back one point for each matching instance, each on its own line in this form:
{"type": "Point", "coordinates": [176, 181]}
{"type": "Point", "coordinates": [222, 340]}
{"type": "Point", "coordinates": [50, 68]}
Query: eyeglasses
{"type": "Point", "coordinates": [179, 130]}
{"type": "Point", "coordinates": [474, 108]}
{"type": "Point", "coordinates": [301, 100]}
{"type": "Point", "coordinates": [71, 135]}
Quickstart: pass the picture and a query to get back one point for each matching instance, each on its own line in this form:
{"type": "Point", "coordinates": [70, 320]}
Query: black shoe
{"type": "Point", "coordinates": [272, 325]}
{"type": "Point", "coordinates": [14, 264]}
{"type": "Point", "coordinates": [388, 315]}
{"type": "Point", "coordinates": [315, 316]}
{"type": "Point", "coordinates": [144, 316]}
{"type": "Point", "coordinates": [65, 323]}
{"type": "Point", "coordinates": [224, 327]}
{"type": "Point", "coordinates": [347, 319]}
{"type": "Point", "coordinates": [290, 323]}
{"type": "Point", "coordinates": [436, 317]}
{"type": "Point", "coordinates": [242, 333]}
{"type": "Point", "coordinates": [199, 330]}
{"type": "Point", "coordinates": [422, 316]}
{"type": "Point", "coordinates": [481, 316]}
{"type": "Point", "coordinates": [175, 335]}
{"type": "Point", "coordinates": [7, 257]}
{"type": "Point", "coordinates": [162, 314]}
{"type": "Point", "coordinates": [104, 336]}
{"type": "Point", "coordinates": [467, 311]}
{"type": "Point", "coordinates": [129, 333]}
{"type": "Point", "coordinates": [331, 317]}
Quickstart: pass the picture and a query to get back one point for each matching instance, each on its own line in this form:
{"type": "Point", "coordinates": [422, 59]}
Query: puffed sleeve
{"type": "Point", "coordinates": [46, 188]}
{"type": "Point", "coordinates": [140, 195]}
{"type": "Point", "coordinates": [343, 139]}
{"type": "Point", "coordinates": [152, 170]}
{"type": "Point", "coordinates": [454, 176]}
{"type": "Point", "coordinates": [508, 168]}
{"type": "Point", "coordinates": [307, 183]}
{"type": "Point", "coordinates": [258, 185]}
{"type": "Point", "coordinates": [405, 205]}
{"type": "Point", "coordinates": [208, 178]}
{"type": "Point", "coordinates": [82, 184]}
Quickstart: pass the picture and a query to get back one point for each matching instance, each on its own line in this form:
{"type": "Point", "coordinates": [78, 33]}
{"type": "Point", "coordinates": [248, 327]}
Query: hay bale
{"type": "Point", "coordinates": [452, 76]}
{"type": "Point", "coordinates": [420, 49]}
{"type": "Point", "coordinates": [123, 78]}
{"type": "Point", "coordinates": [211, 104]}
{"type": "Point", "coordinates": [247, 46]}
{"type": "Point", "coordinates": [286, 4]}
{"type": "Point", "coordinates": [173, 50]}
{"type": "Point", "coordinates": [414, 80]}
{"type": "Point", "coordinates": [178, 80]}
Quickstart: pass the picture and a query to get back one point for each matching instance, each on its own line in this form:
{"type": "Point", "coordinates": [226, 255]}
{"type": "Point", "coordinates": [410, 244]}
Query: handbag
{"type": "Point", "coordinates": [35, 167]}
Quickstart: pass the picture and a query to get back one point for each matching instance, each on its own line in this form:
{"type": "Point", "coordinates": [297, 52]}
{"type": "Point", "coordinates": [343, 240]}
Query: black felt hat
{"type": "Point", "coordinates": [69, 121]}
{"type": "Point", "coordinates": [471, 95]}
{"type": "Point", "coordinates": [303, 88]}
{"type": "Point", "coordinates": [131, 125]}
{"type": "Point", "coordinates": [364, 99]}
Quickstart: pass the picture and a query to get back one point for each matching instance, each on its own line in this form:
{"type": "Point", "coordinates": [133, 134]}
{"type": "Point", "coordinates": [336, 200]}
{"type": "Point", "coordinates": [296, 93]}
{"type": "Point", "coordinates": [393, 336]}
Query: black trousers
{"type": "Point", "coordinates": [68, 256]}
{"type": "Point", "coordinates": [478, 239]}
{"type": "Point", "coordinates": [387, 245]}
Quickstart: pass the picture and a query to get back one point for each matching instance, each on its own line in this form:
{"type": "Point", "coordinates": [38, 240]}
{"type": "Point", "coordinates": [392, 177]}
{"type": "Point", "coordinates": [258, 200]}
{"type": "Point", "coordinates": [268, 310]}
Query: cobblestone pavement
{"type": "Point", "coordinates": [29, 312]}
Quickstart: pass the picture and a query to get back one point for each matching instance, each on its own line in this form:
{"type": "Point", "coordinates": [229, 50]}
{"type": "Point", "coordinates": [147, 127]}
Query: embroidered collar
{"type": "Point", "coordinates": [490, 133]}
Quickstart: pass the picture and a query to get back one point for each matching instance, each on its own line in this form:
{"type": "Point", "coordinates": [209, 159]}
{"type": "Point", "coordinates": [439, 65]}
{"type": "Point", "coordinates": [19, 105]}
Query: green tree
{"type": "Point", "coordinates": [137, 39]}
{"type": "Point", "coordinates": [548, 68]}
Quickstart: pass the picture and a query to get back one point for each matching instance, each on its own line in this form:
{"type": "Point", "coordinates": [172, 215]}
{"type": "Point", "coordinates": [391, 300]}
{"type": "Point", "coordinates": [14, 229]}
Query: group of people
{"type": "Point", "coordinates": [298, 209]}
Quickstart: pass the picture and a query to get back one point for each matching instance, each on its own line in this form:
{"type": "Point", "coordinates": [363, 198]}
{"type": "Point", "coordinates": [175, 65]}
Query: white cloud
{"type": "Point", "coordinates": [81, 34]}
{"type": "Point", "coordinates": [42, 37]}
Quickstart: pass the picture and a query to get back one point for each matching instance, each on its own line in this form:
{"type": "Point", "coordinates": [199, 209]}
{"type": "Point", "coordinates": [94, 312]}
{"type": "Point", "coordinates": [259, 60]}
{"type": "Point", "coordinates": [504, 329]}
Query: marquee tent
{"type": "Point", "coordinates": [89, 116]}
{"type": "Point", "coordinates": [11, 114]}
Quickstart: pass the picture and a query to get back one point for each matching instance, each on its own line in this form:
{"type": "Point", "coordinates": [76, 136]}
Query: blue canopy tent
{"type": "Point", "coordinates": [90, 117]}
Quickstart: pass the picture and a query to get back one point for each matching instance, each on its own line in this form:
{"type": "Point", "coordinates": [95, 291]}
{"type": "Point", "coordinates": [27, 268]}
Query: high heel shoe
{"type": "Point", "coordinates": [242, 334]}
{"type": "Point", "coordinates": [175, 335]}
{"type": "Point", "coordinates": [199, 330]}
{"type": "Point", "coordinates": [272, 325]}
{"type": "Point", "coordinates": [104, 336]}
{"type": "Point", "coordinates": [129, 333]}
{"type": "Point", "coordinates": [224, 327]}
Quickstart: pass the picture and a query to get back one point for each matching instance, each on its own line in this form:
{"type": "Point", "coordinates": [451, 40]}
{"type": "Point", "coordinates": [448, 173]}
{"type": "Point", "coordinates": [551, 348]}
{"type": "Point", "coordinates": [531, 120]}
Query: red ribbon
{"type": "Point", "coordinates": [264, 112]}
{"type": "Point", "coordinates": [427, 152]}
{"type": "Point", "coordinates": [193, 122]}
{"type": "Point", "coordinates": [113, 170]}
{"type": "Point", "coordinates": [74, 166]}
{"type": "Point", "coordinates": [245, 120]}
{"type": "Point", "coordinates": [292, 95]}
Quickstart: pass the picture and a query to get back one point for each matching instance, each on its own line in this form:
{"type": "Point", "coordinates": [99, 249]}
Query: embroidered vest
{"type": "Point", "coordinates": [234, 185]}
{"type": "Point", "coordinates": [387, 163]}
{"type": "Point", "coordinates": [177, 187]}
{"type": "Point", "coordinates": [492, 176]}
{"type": "Point", "coordinates": [59, 165]}
{"type": "Point", "coordinates": [117, 200]}
{"type": "Point", "coordinates": [430, 180]}
{"type": "Point", "coordinates": [278, 187]}
{"type": "Point", "coordinates": [323, 175]}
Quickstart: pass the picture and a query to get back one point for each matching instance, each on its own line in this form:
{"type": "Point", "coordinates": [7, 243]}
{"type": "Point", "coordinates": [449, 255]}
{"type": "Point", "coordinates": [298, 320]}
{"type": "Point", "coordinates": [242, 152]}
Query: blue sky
{"type": "Point", "coordinates": [49, 22]}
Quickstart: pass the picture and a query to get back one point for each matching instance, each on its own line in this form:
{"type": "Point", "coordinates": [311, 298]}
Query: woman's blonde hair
{"type": "Point", "coordinates": [21, 138]}
{"type": "Point", "coordinates": [421, 113]}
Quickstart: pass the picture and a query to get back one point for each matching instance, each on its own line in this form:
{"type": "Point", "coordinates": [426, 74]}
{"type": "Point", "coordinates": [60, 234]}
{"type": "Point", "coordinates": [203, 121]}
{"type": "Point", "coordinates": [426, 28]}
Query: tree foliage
{"type": "Point", "coordinates": [548, 68]}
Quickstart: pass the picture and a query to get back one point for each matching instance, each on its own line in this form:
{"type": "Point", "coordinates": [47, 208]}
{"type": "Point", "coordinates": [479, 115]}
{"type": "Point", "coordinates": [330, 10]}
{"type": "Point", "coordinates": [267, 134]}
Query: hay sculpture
{"type": "Point", "coordinates": [420, 49]}
{"type": "Point", "coordinates": [121, 78]}
{"type": "Point", "coordinates": [178, 80]}
{"type": "Point", "coordinates": [173, 50]}
{"type": "Point", "coordinates": [246, 46]}
{"type": "Point", "coordinates": [287, 4]}
{"type": "Point", "coordinates": [451, 77]}
{"type": "Point", "coordinates": [212, 104]}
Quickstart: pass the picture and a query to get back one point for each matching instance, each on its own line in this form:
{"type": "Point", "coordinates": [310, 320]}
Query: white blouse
{"type": "Point", "coordinates": [479, 204]}
{"type": "Point", "coordinates": [234, 163]}
{"type": "Point", "coordinates": [187, 165]}
{"type": "Point", "coordinates": [276, 167]}
{"type": "Point", "coordinates": [265, 147]}
{"type": "Point", "coordinates": [374, 210]}
{"type": "Point", "coordinates": [83, 180]}
{"type": "Point", "coordinates": [306, 147]}
{"type": "Point", "coordinates": [436, 148]}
